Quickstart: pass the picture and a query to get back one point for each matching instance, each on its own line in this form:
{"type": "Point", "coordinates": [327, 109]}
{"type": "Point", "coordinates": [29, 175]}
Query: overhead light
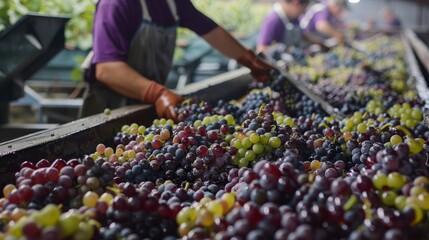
{"type": "Point", "coordinates": [354, 1]}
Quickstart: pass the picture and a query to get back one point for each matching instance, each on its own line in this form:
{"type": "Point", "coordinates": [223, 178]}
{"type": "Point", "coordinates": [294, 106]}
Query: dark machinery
{"type": "Point", "coordinates": [25, 47]}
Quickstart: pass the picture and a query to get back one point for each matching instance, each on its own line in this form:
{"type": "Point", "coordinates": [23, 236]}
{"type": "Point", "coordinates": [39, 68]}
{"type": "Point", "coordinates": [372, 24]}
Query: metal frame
{"type": "Point", "coordinates": [410, 40]}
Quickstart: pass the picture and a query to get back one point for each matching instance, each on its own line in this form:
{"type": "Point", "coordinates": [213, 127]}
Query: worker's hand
{"type": "Point", "coordinates": [340, 38]}
{"type": "Point", "coordinates": [259, 69]}
{"type": "Point", "coordinates": [166, 103]}
{"type": "Point", "coordinates": [164, 100]}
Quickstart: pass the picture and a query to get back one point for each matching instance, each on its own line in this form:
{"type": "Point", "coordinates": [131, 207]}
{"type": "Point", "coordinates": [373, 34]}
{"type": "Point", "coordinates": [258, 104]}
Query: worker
{"type": "Point", "coordinates": [133, 47]}
{"type": "Point", "coordinates": [392, 22]}
{"type": "Point", "coordinates": [281, 25]}
{"type": "Point", "coordinates": [324, 20]}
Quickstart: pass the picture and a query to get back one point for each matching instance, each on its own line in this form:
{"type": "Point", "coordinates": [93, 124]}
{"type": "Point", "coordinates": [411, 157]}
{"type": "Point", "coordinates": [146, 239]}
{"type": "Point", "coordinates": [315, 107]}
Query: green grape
{"type": "Point", "coordinates": [265, 138]}
{"type": "Point", "coordinates": [289, 122]}
{"type": "Point", "coordinates": [229, 199]}
{"type": "Point", "coordinates": [400, 202]}
{"type": "Point", "coordinates": [141, 129]}
{"type": "Point", "coordinates": [198, 123]}
{"type": "Point", "coordinates": [388, 198]}
{"type": "Point", "coordinates": [16, 229]}
{"type": "Point", "coordinates": [423, 200]}
{"type": "Point", "coordinates": [50, 215]}
{"type": "Point", "coordinates": [420, 180]}
{"type": "Point", "coordinates": [417, 190]}
{"type": "Point", "coordinates": [315, 164]}
{"type": "Point", "coordinates": [85, 232]}
{"type": "Point", "coordinates": [415, 146]}
{"type": "Point", "coordinates": [69, 223]}
{"type": "Point", "coordinates": [206, 121]}
{"type": "Point", "coordinates": [250, 155]}
{"type": "Point", "coordinates": [243, 162]}
{"type": "Point", "coordinates": [275, 142]}
{"type": "Point", "coordinates": [205, 218]}
{"type": "Point", "coordinates": [237, 143]}
{"type": "Point", "coordinates": [90, 199]}
{"type": "Point", "coordinates": [124, 128]}
{"type": "Point", "coordinates": [229, 119]}
{"type": "Point", "coordinates": [349, 124]}
{"type": "Point", "coordinates": [258, 148]}
{"type": "Point", "coordinates": [241, 152]}
{"type": "Point", "coordinates": [280, 119]}
{"type": "Point", "coordinates": [169, 122]}
{"type": "Point", "coordinates": [186, 215]}
{"type": "Point", "coordinates": [416, 114]}
{"type": "Point", "coordinates": [395, 139]}
{"type": "Point", "coordinates": [395, 180]}
{"type": "Point", "coordinates": [228, 138]}
{"type": "Point", "coordinates": [361, 127]}
{"type": "Point", "coordinates": [215, 207]}
{"type": "Point", "coordinates": [106, 197]}
{"type": "Point", "coordinates": [107, 111]}
{"type": "Point", "coordinates": [254, 138]}
{"type": "Point", "coordinates": [246, 142]}
{"type": "Point", "coordinates": [410, 123]}
{"type": "Point", "coordinates": [8, 189]}
{"type": "Point", "coordinates": [184, 229]}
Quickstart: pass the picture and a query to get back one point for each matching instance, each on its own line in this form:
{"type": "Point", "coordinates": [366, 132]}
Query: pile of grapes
{"type": "Point", "coordinates": [255, 168]}
{"type": "Point", "coordinates": [349, 79]}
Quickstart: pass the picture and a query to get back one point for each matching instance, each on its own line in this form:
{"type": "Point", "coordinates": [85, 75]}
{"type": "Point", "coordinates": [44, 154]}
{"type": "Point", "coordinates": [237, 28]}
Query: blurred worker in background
{"type": "Point", "coordinates": [281, 25]}
{"type": "Point", "coordinates": [392, 22]}
{"type": "Point", "coordinates": [324, 19]}
{"type": "Point", "coordinates": [133, 48]}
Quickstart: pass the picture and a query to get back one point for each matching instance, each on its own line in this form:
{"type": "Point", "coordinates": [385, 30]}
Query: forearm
{"type": "Point", "coordinates": [311, 38]}
{"type": "Point", "coordinates": [225, 43]}
{"type": "Point", "coordinates": [326, 28]}
{"type": "Point", "coordinates": [121, 78]}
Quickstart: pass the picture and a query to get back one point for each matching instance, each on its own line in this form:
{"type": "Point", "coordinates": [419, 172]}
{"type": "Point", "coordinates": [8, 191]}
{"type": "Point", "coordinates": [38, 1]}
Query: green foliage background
{"type": "Point", "coordinates": [238, 16]}
{"type": "Point", "coordinates": [79, 28]}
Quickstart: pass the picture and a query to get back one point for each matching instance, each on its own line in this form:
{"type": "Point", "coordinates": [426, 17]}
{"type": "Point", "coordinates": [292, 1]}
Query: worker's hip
{"type": "Point", "coordinates": [98, 97]}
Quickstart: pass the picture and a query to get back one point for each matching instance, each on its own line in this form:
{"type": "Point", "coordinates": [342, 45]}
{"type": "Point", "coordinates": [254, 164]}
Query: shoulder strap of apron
{"type": "Point", "coordinates": [277, 7]}
{"type": "Point", "coordinates": [171, 6]}
{"type": "Point", "coordinates": [310, 13]}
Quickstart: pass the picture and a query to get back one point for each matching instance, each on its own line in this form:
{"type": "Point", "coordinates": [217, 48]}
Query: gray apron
{"type": "Point", "coordinates": [150, 54]}
{"type": "Point", "coordinates": [293, 33]}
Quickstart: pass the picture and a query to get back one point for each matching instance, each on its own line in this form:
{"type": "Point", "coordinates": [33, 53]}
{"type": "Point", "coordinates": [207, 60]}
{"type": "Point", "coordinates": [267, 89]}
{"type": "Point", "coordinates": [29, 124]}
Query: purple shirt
{"type": "Point", "coordinates": [316, 16]}
{"type": "Point", "coordinates": [117, 21]}
{"type": "Point", "coordinates": [393, 24]}
{"type": "Point", "coordinates": [272, 29]}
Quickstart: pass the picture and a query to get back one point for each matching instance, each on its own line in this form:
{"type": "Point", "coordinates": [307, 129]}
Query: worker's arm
{"type": "Point", "coordinates": [121, 78]}
{"type": "Point", "coordinates": [312, 38]}
{"type": "Point", "coordinates": [225, 43]}
{"type": "Point", "coordinates": [326, 28]}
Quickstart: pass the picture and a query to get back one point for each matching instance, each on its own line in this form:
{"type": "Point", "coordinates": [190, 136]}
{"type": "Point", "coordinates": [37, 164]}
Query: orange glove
{"type": "Point", "coordinates": [258, 68]}
{"type": "Point", "coordinates": [164, 100]}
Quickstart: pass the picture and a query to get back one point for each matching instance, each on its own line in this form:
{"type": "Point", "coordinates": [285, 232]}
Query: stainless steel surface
{"type": "Point", "coordinates": [328, 108]}
{"type": "Point", "coordinates": [410, 40]}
